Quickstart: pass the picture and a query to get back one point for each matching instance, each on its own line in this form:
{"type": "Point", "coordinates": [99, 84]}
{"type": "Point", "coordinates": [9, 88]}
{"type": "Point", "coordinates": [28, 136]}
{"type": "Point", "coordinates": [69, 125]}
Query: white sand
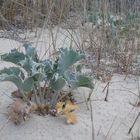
{"type": "Point", "coordinates": [117, 111]}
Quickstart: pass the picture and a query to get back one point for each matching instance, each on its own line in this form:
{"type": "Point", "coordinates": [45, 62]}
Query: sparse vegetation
{"type": "Point", "coordinates": [84, 40]}
{"type": "Point", "coordinates": [44, 80]}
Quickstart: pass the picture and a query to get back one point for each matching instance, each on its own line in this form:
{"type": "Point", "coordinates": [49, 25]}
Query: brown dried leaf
{"type": "Point", "coordinates": [42, 109]}
{"type": "Point", "coordinates": [19, 111]}
{"type": "Point", "coordinates": [17, 94]}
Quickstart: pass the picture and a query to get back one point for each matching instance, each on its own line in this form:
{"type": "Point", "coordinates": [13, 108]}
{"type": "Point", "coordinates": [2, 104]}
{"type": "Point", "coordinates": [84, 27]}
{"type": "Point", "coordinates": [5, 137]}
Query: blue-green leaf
{"type": "Point", "coordinates": [50, 68]}
{"type": "Point", "coordinates": [57, 84]}
{"type": "Point", "coordinates": [69, 76]}
{"type": "Point", "coordinates": [79, 67]}
{"type": "Point", "coordinates": [14, 56]}
{"type": "Point", "coordinates": [31, 52]}
{"type": "Point", "coordinates": [82, 81]}
{"type": "Point", "coordinates": [28, 84]}
{"type": "Point", "coordinates": [30, 66]}
{"type": "Point", "coordinates": [12, 78]}
{"type": "Point", "coordinates": [13, 71]}
{"type": "Point", "coordinates": [68, 57]}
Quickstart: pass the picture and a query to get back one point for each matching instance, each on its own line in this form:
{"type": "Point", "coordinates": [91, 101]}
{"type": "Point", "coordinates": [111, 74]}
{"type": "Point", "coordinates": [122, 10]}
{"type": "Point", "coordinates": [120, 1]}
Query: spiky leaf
{"type": "Point", "coordinates": [13, 71]}
{"type": "Point", "coordinates": [24, 86]}
{"type": "Point", "coordinates": [69, 76]}
{"type": "Point", "coordinates": [82, 81]}
{"type": "Point", "coordinates": [12, 78]}
{"type": "Point", "coordinates": [79, 67]}
{"type": "Point", "coordinates": [31, 52]}
{"type": "Point", "coordinates": [30, 66]}
{"type": "Point", "coordinates": [68, 57]}
{"type": "Point", "coordinates": [48, 69]}
{"type": "Point", "coordinates": [14, 56]}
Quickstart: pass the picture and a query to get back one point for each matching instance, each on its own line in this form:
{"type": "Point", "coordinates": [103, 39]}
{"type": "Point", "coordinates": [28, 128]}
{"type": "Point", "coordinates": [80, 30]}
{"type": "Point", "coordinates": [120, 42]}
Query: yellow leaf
{"type": "Point", "coordinates": [59, 107]}
{"type": "Point", "coordinates": [70, 107]}
{"type": "Point", "coordinates": [70, 118]}
{"type": "Point", "coordinates": [67, 110]}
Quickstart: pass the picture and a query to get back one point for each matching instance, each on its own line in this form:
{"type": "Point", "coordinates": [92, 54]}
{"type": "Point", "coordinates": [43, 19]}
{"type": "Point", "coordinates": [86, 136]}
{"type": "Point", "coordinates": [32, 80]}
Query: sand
{"type": "Point", "coordinates": [111, 119]}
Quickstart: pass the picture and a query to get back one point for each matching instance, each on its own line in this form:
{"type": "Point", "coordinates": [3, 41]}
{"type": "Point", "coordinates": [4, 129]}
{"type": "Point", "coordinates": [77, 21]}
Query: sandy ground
{"type": "Point", "coordinates": [111, 119]}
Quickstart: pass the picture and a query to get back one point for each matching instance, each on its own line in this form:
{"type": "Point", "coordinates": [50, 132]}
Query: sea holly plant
{"type": "Point", "coordinates": [46, 83]}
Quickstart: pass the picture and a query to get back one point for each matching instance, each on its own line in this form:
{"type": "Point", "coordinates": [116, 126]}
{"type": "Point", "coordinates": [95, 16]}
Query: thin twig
{"type": "Point", "coordinates": [86, 102]}
{"type": "Point", "coordinates": [93, 136]}
{"type": "Point", "coordinates": [44, 91]}
{"type": "Point", "coordinates": [133, 123]}
{"type": "Point", "coordinates": [105, 87]}
{"type": "Point", "coordinates": [89, 95]}
{"type": "Point", "coordinates": [122, 122]}
{"type": "Point", "coordinates": [107, 92]}
{"type": "Point", "coordinates": [36, 98]}
{"type": "Point", "coordinates": [110, 128]}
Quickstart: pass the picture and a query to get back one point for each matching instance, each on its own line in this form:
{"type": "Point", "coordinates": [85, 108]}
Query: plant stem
{"type": "Point", "coordinates": [54, 99]}
{"type": "Point", "coordinates": [106, 87]}
{"type": "Point", "coordinates": [44, 90]}
{"type": "Point", "coordinates": [36, 98]}
{"type": "Point", "coordinates": [25, 98]}
{"type": "Point", "coordinates": [92, 123]}
{"type": "Point", "coordinates": [40, 93]}
{"type": "Point", "coordinates": [89, 95]}
{"type": "Point", "coordinates": [133, 123]}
